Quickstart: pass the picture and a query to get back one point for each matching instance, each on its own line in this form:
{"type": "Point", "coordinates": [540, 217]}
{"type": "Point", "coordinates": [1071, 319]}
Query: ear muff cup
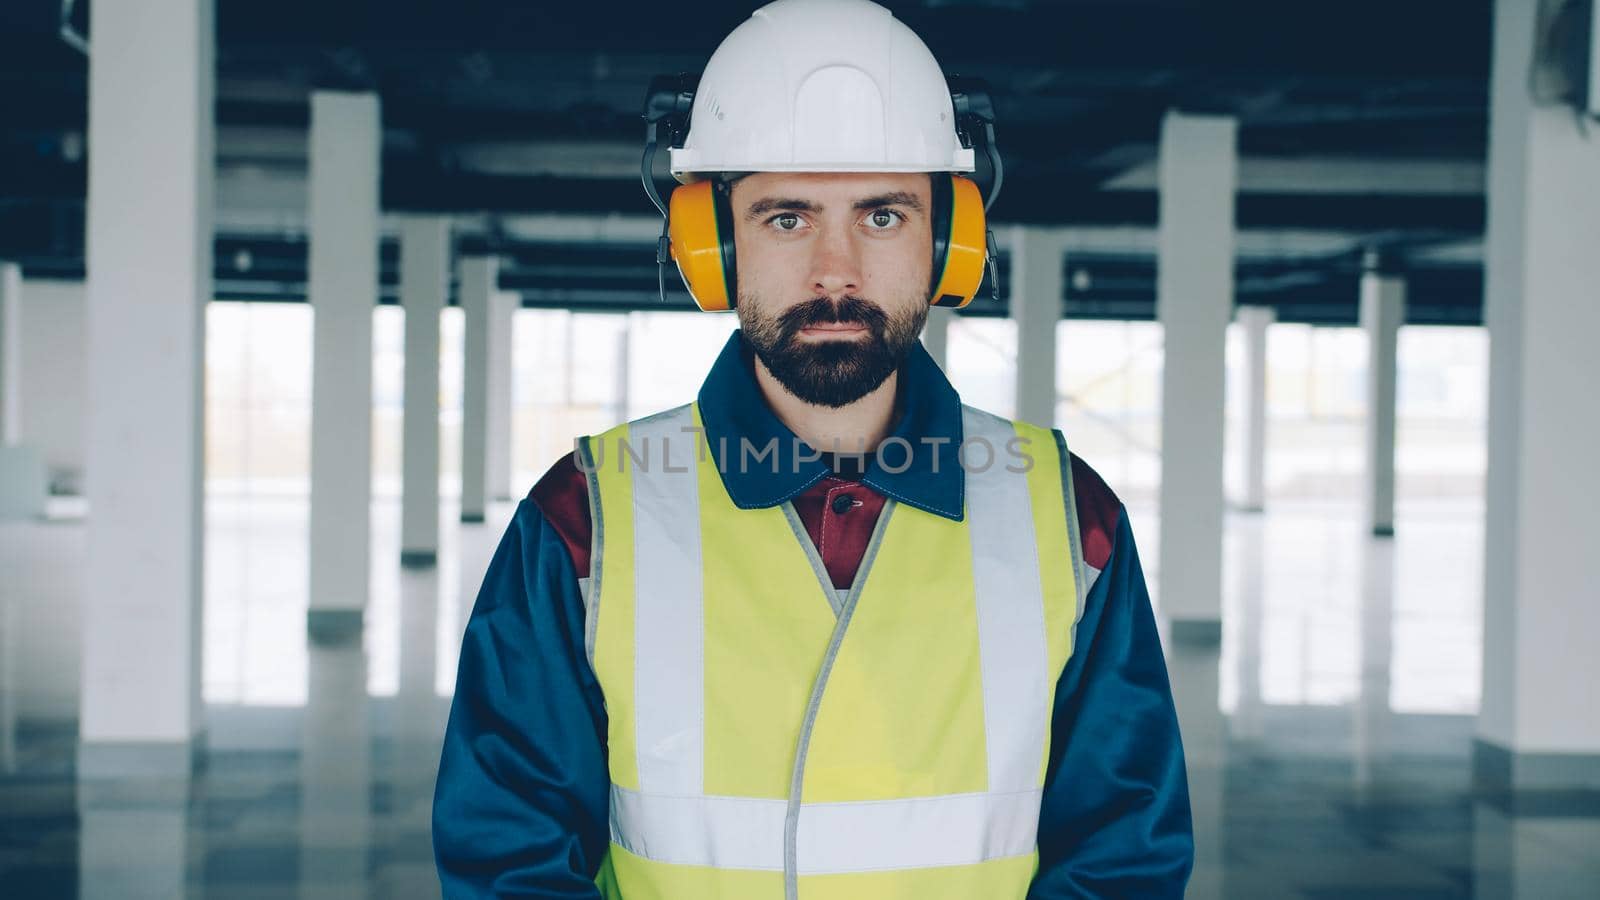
{"type": "Point", "coordinates": [960, 245]}
{"type": "Point", "coordinates": [700, 226]}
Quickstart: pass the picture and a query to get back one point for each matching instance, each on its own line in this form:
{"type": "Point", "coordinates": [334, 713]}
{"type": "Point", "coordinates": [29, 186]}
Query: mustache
{"type": "Point", "coordinates": [822, 310]}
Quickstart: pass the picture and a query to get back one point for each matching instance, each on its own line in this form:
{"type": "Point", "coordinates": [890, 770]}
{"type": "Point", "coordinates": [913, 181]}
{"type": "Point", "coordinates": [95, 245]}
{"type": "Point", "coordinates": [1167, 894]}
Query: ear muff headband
{"type": "Point", "coordinates": [960, 245]}
{"type": "Point", "coordinates": [700, 226]}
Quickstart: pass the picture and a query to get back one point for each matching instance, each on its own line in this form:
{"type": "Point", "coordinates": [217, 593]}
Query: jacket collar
{"type": "Point", "coordinates": [740, 427]}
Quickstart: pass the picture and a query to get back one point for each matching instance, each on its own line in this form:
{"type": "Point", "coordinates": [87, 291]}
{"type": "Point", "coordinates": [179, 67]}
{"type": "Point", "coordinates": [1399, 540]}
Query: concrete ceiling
{"type": "Point", "coordinates": [1361, 122]}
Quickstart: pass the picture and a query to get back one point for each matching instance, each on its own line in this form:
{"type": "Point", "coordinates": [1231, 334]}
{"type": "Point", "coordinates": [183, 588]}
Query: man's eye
{"type": "Point", "coordinates": [883, 218]}
{"type": "Point", "coordinates": [786, 221]}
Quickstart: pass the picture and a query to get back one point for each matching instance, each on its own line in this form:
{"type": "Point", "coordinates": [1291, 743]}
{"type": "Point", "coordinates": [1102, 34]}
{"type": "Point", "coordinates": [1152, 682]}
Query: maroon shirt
{"type": "Point", "coordinates": [839, 514]}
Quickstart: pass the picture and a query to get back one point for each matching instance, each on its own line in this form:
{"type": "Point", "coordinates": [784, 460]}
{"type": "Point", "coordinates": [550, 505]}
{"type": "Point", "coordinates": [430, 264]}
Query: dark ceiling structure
{"type": "Point", "coordinates": [1362, 124]}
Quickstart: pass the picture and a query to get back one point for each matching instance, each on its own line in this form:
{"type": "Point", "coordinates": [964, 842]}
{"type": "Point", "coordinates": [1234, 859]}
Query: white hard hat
{"type": "Point", "coordinates": [821, 86]}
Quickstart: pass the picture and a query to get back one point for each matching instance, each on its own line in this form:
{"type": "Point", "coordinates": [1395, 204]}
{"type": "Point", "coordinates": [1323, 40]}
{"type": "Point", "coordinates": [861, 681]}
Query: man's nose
{"type": "Point", "coordinates": [835, 266]}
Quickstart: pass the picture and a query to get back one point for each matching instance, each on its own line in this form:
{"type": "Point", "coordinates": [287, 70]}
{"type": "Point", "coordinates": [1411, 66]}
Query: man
{"type": "Point", "coordinates": [826, 631]}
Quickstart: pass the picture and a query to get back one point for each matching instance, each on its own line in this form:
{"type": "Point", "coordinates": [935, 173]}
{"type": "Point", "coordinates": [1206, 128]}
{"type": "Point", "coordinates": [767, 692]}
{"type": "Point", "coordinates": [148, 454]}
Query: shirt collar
{"type": "Point", "coordinates": [922, 452]}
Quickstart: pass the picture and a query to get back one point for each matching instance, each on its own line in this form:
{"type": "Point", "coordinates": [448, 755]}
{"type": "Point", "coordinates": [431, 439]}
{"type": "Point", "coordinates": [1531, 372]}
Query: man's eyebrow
{"type": "Point", "coordinates": [768, 204]}
{"type": "Point", "coordinates": [893, 198]}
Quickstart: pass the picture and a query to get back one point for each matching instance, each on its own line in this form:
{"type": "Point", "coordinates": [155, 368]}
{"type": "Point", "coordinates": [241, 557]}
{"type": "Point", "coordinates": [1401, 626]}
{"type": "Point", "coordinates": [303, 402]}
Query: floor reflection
{"type": "Point", "coordinates": [1532, 854]}
{"type": "Point", "coordinates": [335, 774]}
{"type": "Point", "coordinates": [1194, 671]}
{"type": "Point", "coordinates": [1370, 712]}
{"type": "Point", "coordinates": [135, 840]}
{"type": "Point", "coordinates": [1327, 736]}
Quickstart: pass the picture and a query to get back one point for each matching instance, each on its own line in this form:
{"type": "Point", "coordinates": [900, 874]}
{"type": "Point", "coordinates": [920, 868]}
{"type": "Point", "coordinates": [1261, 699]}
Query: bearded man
{"type": "Point", "coordinates": [825, 631]}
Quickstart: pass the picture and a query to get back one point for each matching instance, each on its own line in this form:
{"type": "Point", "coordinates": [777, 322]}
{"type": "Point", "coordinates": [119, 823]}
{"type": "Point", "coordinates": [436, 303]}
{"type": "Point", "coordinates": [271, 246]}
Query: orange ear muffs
{"type": "Point", "coordinates": [960, 246]}
{"type": "Point", "coordinates": [700, 225]}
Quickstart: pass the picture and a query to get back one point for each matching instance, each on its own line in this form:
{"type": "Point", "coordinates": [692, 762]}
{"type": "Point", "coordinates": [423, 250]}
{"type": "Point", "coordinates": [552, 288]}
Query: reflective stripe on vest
{"type": "Point", "coordinates": [753, 729]}
{"type": "Point", "coordinates": [747, 832]}
{"type": "Point", "coordinates": [668, 683]}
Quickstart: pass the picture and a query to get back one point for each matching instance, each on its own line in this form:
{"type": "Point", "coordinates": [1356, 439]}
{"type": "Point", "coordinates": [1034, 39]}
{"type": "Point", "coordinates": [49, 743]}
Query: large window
{"type": "Point", "coordinates": [258, 398]}
{"type": "Point", "coordinates": [1108, 400]}
{"type": "Point", "coordinates": [566, 380]}
{"type": "Point", "coordinates": [579, 373]}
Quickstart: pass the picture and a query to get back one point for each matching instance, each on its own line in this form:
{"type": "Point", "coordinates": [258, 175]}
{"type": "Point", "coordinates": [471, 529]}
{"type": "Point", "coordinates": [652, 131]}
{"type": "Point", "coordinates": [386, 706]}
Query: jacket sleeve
{"type": "Point", "coordinates": [1115, 818]}
{"type": "Point", "coordinates": [521, 807]}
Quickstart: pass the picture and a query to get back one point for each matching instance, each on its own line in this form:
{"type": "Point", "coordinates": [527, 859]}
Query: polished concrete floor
{"type": "Point", "coordinates": [1328, 736]}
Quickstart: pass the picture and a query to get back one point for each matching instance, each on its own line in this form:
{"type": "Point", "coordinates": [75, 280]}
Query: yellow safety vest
{"type": "Point", "coordinates": [770, 738]}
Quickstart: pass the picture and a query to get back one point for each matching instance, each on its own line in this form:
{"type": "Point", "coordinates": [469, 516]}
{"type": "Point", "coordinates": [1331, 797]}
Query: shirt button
{"type": "Point", "coordinates": [842, 503]}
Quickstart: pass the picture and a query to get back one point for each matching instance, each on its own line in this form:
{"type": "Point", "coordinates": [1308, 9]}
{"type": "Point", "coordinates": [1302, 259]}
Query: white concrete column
{"type": "Point", "coordinates": [151, 81]}
{"type": "Point", "coordinates": [474, 288]}
{"type": "Point", "coordinates": [424, 282]}
{"type": "Point", "coordinates": [497, 416]}
{"type": "Point", "coordinates": [623, 360]}
{"type": "Point", "coordinates": [1194, 287]}
{"type": "Point", "coordinates": [1256, 320]}
{"type": "Point", "coordinates": [343, 288]}
{"type": "Point", "coordinates": [1541, 532]}
{"type": "Point", "coordinates": [1383, 309]}
{"type": "Point", "coordinates": [53, 337]}
{"type": "Point", "coordinates": [936, 334]}
{"type": "Point", "coordinates": [10, 353]}
{"type": "Point", "coordinates": [24, 485]}
{"type": "Point", "coordinates": [1036, 291]}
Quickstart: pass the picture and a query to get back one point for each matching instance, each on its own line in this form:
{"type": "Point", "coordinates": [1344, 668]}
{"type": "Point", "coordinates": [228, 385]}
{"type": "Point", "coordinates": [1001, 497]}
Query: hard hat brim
{"type": "Point", "coordinates": [685, 168]}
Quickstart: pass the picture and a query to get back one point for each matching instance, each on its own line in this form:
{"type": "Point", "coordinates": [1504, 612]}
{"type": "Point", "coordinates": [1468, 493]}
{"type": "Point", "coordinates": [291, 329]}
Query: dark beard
{"type": "Point", "coordinates": [837, 372]}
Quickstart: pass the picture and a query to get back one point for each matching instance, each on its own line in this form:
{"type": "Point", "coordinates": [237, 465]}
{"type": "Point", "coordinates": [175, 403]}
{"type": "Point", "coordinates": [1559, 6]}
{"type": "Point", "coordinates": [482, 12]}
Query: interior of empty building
{"type": "Point", "coordinates": [299, 301]}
